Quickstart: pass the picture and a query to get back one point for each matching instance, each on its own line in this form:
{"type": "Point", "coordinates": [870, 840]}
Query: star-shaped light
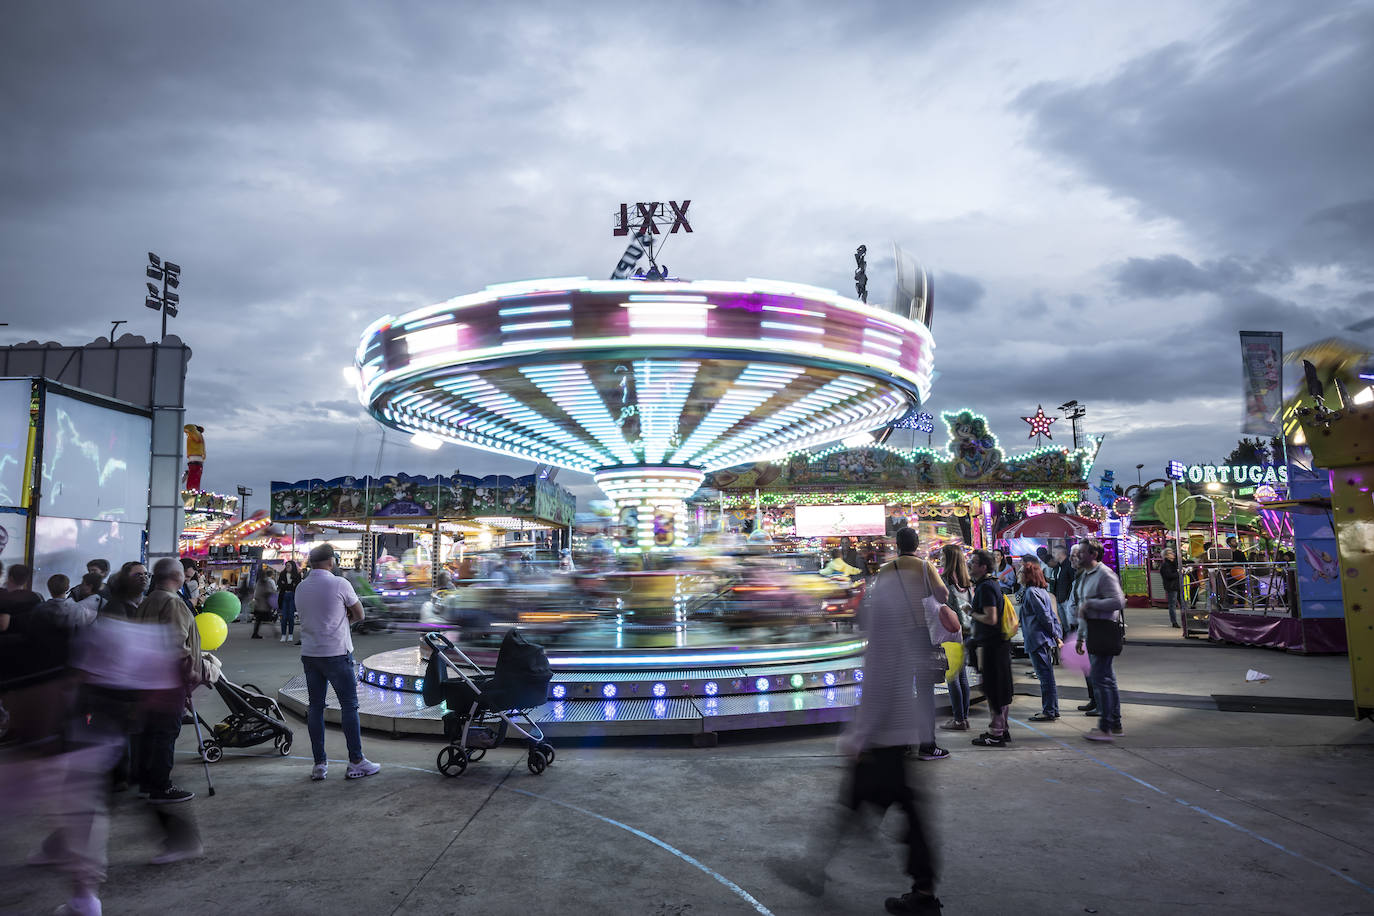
{"type": "Point", "coordinates": [1040, 424]}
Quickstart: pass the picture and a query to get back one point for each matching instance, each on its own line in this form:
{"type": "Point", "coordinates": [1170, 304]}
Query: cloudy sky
{"type": "Point", "coordinates": [1105, 194]}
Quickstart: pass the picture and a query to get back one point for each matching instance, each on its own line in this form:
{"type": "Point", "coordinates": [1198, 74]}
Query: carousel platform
{"type": "Point", "coordinates": [698, 690]}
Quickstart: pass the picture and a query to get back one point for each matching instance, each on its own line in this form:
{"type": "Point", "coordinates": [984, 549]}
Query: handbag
{"type": "Point", "coordinates": [930, 620]}
{"type": "Point", "coordinates": [1105, 636]}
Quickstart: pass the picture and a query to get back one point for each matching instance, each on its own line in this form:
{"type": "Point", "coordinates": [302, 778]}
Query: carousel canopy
{"type": "Point", "coordinates": [1051, 525]}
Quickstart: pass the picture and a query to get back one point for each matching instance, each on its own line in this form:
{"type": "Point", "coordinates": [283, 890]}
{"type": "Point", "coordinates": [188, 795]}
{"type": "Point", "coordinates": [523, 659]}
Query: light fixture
{"type": "Point", "coordinates": [608, 691]}
{"type": "Point", "coordinates": [559, 691]}
{"type": "Point", "coordinates": [427, 441]}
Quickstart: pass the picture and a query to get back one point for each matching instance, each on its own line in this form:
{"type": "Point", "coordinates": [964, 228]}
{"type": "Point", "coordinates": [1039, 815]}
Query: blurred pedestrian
{"type": "Point", "coordinates": [286, 599]}
{"type": "Point", "coordinates": [263, 593]}
{"type": "Point", "coordinates": [994, 649]}
{"type": "Point", "coordinates": [33, 660]}
{"type": "Point", "coordinates": [327, 604]}
{"type": "Point", "coordinates": [156, 747]}
{"type": "Point", "coordinates": [1100, 603]}
{"type": "Point", "coordinates": [954, 573]}
{"type": "Point", "coordinates": [889, 719]}
{"type": "Point", "coordinates": [1043, 635]}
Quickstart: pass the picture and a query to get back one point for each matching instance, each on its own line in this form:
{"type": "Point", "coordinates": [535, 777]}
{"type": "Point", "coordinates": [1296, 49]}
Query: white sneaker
{"type": "Point", "coordinates": [319, 771]}
{"type": "Point", "coordinates": [362, 768]}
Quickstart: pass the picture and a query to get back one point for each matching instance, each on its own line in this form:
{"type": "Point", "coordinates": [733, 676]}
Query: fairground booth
{"type": "Point", "coordinates": [966, 493]}
{"type": "Point", "coordinates": [403, 529]}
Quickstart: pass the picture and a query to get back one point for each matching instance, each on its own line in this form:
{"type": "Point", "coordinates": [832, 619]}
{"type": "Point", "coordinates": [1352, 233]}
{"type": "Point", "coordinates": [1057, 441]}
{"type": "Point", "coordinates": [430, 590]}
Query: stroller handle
{"type": "Point", "coordinates": [437, 640]}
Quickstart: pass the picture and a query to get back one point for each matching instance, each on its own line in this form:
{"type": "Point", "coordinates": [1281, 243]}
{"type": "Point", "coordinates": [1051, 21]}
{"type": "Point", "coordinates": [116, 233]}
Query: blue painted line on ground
{"type": "Point", "coordinates": [648, 837]}
{"type": "Point", "coordinates": [1203, 811]}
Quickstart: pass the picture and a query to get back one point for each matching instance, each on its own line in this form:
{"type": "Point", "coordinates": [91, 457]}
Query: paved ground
{"type": "Point", "coordinates": [1196, 809]}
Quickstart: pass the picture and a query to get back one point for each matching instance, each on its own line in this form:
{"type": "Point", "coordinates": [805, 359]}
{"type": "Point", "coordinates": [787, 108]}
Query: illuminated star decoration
{"type": "Point", "coordinates": [1040, 424]}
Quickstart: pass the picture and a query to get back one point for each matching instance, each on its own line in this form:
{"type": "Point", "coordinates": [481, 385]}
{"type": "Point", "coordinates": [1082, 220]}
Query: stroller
{"type": "Point", "coordinates": [483, 707]}
{"type": "Point", "coordinates": [254, 718]}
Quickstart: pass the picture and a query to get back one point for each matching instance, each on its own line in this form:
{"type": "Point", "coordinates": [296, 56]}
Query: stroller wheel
{"type": "Point", "coordinates": [452, 761]}
{"type": "Point", "coordinates": [546, 749]}
{"type": "Point", "coordinates": [537, 762]}
{"type": "Point", "coordinates": [211, 752]}
{"type": "Point", "coordinates": [284, 745]}
{"type": "Point", "coordinates": [476, 754]}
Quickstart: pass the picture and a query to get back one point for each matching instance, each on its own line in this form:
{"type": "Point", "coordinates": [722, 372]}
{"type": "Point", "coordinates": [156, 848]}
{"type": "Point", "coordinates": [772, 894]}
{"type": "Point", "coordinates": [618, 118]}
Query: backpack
{"type": "Point", "coordinates": [1009, 622]}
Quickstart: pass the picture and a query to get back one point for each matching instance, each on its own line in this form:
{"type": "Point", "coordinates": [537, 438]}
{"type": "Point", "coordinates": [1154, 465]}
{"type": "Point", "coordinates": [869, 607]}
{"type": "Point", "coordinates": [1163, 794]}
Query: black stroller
{"type": "Point", "coordinates": [254, 718]}
{"type": "Point", "coordinates": [482, 708]}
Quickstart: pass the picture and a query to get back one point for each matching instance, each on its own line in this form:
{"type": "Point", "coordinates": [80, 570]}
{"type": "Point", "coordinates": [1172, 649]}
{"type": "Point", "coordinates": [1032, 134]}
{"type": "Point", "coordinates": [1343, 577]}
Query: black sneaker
{"type": "Point", "coordinates": [169, 795]}
{"type": "Point", "coordinates": [983, 740]}
{"type": "Point", "coordinates": [1088, 707]}
{"type": "Point", "coordinates": [931, 752]}
{"type": "Point", "coordinates": [912, 902]}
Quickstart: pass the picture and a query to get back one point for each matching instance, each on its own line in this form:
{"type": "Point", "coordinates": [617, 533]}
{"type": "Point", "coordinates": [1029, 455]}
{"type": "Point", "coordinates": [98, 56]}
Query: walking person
{"type": "Point", "coordinates": [263, 592]}
{"type": "Point", "coordinates": [1100, 601]}
{"type": "Point", "coordinates": [1005, 571]}
{"type": "Point", "coordinates": [954, 573]}
{"type": "Point", "coordinates": [1041, 627]}
{"type": "Point", "coordinates": [994, 649]}
{"type": "Point", "coordinates": [286, 599]}
{"type": "Point", "coordinates": [890, 718]}
{"type": "Point", "coordinates": [327, 605]}
{"type": "Point", "coordinates": [1169, 577]}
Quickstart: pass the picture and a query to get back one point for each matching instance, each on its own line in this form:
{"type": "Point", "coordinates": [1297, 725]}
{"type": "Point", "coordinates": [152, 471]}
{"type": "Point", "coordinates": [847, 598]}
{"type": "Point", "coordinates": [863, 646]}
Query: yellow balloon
{"type": "Point", "coordinates": [954, 655]}
{"type": "Point", "coordinates": [213, 631]}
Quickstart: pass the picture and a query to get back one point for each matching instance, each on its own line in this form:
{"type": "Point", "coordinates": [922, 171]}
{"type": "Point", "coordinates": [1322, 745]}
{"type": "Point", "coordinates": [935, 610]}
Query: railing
{"type": "Point", "coordinates": [1265, 588]}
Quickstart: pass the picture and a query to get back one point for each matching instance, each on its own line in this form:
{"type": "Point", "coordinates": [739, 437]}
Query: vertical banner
{"type": "Point", "coordinates": [1261, 359]}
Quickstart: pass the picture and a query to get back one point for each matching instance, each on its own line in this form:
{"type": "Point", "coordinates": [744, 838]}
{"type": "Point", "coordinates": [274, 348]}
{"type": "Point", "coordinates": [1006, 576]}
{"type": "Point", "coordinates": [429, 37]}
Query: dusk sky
{"type": "Point", "coordinates": [1105, 193]}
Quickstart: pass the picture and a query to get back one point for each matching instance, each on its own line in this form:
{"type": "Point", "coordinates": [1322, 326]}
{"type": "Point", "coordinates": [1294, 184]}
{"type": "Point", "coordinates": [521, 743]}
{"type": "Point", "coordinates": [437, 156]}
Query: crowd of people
{"type": "Point", "coordinates": [916, 605]}
{"type": "Point", "coordinates": [95, 683]}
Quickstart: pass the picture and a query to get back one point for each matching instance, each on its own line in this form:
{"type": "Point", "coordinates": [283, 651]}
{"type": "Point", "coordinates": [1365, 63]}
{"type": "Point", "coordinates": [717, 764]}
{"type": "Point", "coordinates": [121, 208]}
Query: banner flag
{"type": "Point", "coordinates": [1261, 357]}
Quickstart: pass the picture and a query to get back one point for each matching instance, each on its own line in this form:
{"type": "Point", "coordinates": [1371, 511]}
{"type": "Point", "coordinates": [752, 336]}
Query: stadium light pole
{"type": "Point", "coordinates": [243, 493]}
{"type": "Point", "coordinates": [163, 300]}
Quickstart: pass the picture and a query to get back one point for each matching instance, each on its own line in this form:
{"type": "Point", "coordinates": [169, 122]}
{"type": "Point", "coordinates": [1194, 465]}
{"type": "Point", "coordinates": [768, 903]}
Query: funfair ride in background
{"type": "Point", "coordinates": [646, 385]}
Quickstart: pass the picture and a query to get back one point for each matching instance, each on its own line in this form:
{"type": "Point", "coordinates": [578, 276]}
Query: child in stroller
{"type": "Point", "coordinates": [483, 707]}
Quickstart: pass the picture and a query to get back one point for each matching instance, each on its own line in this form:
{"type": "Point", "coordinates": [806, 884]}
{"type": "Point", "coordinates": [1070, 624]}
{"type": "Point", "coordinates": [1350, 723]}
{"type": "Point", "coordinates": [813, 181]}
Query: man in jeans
{"type": "Point", "coordinates": [325, 605]}
{"type": "Point", "coordinates": [1100, 601]}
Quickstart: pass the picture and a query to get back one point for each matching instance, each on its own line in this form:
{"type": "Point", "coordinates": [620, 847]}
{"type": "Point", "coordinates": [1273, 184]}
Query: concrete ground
{"type": "Point", "coordinates": [1194, 809]}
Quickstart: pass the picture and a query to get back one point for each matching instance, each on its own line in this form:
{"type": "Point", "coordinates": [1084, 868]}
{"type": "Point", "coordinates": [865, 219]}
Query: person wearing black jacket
{"type": "Point", "coordinates": [1063, 586]}
{"type": "Point", "coordinates": [1168, 573]}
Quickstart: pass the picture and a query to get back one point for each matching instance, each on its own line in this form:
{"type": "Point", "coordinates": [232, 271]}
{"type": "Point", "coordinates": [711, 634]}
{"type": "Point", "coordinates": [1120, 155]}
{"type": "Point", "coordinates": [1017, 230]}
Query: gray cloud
{"type": "Point", "coordinates": [1255, 134]}
{"type": "Point", "coordinates": [956, 294]}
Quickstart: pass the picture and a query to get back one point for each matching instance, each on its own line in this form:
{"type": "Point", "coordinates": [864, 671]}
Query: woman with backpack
{"type": "Point", "coordinates": [994, 648]}
{"type": "Point", "coordinates": [954, 573]}
{"type": "Point", "coordinates": [1040, 623]}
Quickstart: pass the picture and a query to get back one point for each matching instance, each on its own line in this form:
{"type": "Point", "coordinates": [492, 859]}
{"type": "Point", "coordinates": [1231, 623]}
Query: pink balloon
{"type": "Point", "coordinates": [1072, 660]}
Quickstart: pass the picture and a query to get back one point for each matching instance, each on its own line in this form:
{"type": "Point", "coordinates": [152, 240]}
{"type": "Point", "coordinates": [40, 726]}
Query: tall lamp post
{"type": "Point", "coordinates": [163, 300]}
{"type": "Point", "coordinates": [243, 492]}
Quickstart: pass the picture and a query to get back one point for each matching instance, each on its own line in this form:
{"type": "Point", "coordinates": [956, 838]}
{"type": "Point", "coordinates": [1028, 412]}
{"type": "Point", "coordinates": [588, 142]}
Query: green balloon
{"type": "Point", "coordinates": [223, 604]}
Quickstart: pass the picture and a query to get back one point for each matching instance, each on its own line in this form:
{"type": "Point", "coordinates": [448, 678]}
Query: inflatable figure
{"type": "Point", "coordinates": [1106, 488]}
{"type": "Point", "coordinates": [195, 455]}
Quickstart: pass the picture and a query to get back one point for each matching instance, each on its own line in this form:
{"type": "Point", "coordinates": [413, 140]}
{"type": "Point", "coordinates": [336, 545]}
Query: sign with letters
{"type": "Point", "coordinates": [648, 219]}
{"type": "Point", "coordinates": [1254, 474]}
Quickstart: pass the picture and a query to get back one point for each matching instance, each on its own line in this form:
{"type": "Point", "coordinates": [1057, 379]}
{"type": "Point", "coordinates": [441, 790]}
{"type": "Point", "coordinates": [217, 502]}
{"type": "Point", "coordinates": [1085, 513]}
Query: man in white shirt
{"type": "Point", "coordinates": [325, 606]}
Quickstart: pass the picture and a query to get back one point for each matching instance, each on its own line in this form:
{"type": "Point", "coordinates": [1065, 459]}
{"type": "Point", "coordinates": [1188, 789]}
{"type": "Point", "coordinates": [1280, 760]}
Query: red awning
{"type": "Point", "coordinates": [1051, 525]}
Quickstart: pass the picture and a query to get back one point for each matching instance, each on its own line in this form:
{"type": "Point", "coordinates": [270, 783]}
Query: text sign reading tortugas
{"type": "Point", "coordinates": [1236, 473]}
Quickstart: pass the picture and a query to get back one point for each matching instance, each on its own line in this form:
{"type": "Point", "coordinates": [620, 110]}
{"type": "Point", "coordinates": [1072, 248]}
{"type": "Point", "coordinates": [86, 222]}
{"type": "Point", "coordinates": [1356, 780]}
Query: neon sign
{"type": "Point", "coordinates": [1230, 473]}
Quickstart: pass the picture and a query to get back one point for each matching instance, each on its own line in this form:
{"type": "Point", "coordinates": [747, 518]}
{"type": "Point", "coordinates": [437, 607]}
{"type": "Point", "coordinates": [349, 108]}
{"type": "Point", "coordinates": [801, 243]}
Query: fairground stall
{"type": "Point", "coordinates": [411, 531]}
{"type": "Point", "coordinates": [964, 493]}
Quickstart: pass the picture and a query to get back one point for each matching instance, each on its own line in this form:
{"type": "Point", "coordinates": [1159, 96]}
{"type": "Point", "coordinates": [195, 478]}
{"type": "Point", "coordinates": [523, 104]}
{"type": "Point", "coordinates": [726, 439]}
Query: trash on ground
{"type": "Point", "coordinates": [1253, 675]}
